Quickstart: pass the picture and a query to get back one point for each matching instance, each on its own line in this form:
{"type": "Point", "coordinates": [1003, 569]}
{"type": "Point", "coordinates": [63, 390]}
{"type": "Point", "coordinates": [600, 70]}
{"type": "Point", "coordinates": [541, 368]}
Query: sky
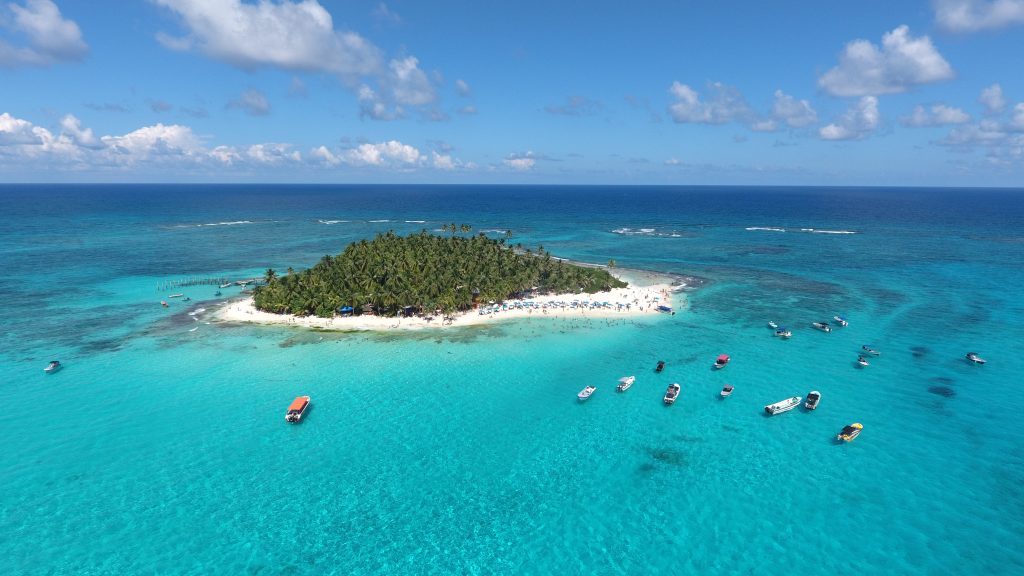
{"type": "Point", "coordinates": [909, 93]}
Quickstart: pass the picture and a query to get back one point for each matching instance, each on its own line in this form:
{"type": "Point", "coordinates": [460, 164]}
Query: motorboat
{"type": "Point", "coordinates": [862, 361]}
{"type": "Point", "coordinates": [625, 382]}
{"type": "Point", "coordinates": [813, 397]}
{"type": "Point", "coordinates": [783, 332]}
{"type": "Point", "coordinates": [226, 285]}
{"type": "Point", "coordinates": [665, 309]}
{"type": "Point", "coordinates": [661, 366]}
{"type": "Point", "coordinates": [869, 350]}
{"type": "Point", "coordinates": [782, 406]}
{"type": "Point", "coordinates": [297, 409]}
{"type": "Point", "coordinates": [53, 366]}
{"type": "Point", "coordinates": [726, 391]}
{"type": "Point", "coordinates": [772, 325]}
{"type": "Point", "coordinates": [722, 360]}
{"type": "Point", "coordinates": [973, 357]}
{"type": "Point", "coordinates": [841, 321]}
{"type": "Point", "coordinates": [163, 303]}
{"type": "Point", "coordinates": [175, 295]}
{"type": "Point", "coordinates": [850, 432]}
{"type": "Point", "coordinates": [586, 392]}
{"type": "Point", "coordinates": [823, 326]}
{"type": "Point", "coordinates": [672, 393]}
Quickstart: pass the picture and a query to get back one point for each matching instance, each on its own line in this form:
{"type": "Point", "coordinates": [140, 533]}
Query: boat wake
{"type": "Point", "coordinates": [647, 232]}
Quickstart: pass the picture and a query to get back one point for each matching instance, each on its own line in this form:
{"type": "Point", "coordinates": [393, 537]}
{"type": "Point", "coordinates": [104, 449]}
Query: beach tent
{"type": "Point", "coordinates": [345, 310]}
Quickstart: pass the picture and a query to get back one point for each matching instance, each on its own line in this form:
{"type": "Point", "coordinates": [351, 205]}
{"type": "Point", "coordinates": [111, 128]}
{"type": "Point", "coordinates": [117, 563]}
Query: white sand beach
{"type": "Point", "coordinates": [620, 302]}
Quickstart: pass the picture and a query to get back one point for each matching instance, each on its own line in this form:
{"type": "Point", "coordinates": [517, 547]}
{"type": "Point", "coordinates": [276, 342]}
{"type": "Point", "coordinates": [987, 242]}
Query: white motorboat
{"type": "Point", "coordinates": [726, 391]}
{"type": "Point", "coordinates": [973, 357]}
{"type": "Point", "coordinates": [671, 394]}
{"type": "Point", "coordinates": [841, 321]}
{"type": "Point", "coordinates": [586, 392]}
{"type": "Point", "coordinates": [297, 409]}
{"type": "Point", "coordinates": [782, 406]}
{"type": "Point", "coordinates": [813, 397]}
{"type": "Point", "coordinates": [625, 382]}
{"type": "Point", "coordinates": [862, 361]}
{"type": "Point", "coordinates": [869, 350]}
{"type": "Point", "coordinates": [823, 326]}
{"type": "Point", "coordinates": [52, 367]}
{"type": "Point", "coordinates": [784, 332]}
{"type": "Point", "coordinates": [772, 325]}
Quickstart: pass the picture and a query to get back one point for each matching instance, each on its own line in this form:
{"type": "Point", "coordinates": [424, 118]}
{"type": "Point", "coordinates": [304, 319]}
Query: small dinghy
{"type": "Point", "coordinates": [53, 366]}
{"type": "Point", "coordinates": [869, 350]}
{"type": "Point", "coordinates": [813, 398]}
{"type": "Point", "coordinates": [772, 325]}
{"type": "Point", "coordinates": [625, 382]}
{"type": "Point", "coordinates": [862, 362]}
{"type": "Point", "coordinates": [849, 433]}
{"type": "Point", "coordinates": [973, 357]}
{"type": "Point", "coordinates": [661, 366]}
{"type": "Point", "coordinates": [671, 394]}
{"type": "Point", "coordinates": [726, 391]}
{"type": "Point", "coordinates": [586, 392]}
{"type": "Point", "coordinates": [782, 406]}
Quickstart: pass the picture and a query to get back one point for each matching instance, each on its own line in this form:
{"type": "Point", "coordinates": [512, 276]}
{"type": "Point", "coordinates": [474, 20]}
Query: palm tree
{"type": "Point", "coordinates": [465, 228]}
{"type": "Point", "coordinates": [269, 275]}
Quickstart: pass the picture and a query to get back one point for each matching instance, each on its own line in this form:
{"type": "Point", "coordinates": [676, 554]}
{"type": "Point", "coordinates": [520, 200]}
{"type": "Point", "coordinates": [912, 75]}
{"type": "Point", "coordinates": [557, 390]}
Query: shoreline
{"type": "Point", "coordinates": [631, 301]}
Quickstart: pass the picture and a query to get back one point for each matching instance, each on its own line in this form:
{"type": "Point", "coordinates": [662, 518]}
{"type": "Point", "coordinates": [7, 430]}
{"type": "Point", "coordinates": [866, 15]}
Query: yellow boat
{"type": "Point", "coordinates": [850, 432]}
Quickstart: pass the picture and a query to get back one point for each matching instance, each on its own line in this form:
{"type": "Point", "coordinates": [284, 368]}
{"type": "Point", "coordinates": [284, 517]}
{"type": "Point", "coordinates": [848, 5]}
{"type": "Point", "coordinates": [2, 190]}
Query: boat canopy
{"type": "Point", "coordinates": [298, 404]}
{"type": "Point", "coordinates": [723, 358]}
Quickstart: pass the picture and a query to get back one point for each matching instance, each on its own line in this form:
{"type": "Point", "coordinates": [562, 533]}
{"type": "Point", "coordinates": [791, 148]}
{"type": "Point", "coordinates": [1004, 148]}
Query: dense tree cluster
{"type": "Point", "coordinates": [424, 271]}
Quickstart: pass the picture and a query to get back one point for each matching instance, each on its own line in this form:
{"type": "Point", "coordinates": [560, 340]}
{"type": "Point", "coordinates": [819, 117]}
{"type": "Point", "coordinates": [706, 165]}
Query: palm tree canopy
{"type": "Point", "coordinates": [426, 272]}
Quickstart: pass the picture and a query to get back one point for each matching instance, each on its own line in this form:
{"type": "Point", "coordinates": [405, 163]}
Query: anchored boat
{"type": "Point", "coordinates": [52, 367]}
{"type": "Point", "coordinates": [823, 326]}
{"type": "Point", "coordinates": [772, 325]}
{"type": "Point", "coordinates": [723, 359]}
{"type": "Point", "coordinates": [869, 350]}
{"type": "Point", "coordinates": [297, 409]}
{"type": "Point", "coordinates": [813, 397]}
{"type": "Point", "coordinates": [671, 394]}
{"type": "Point", "coordinates": [782, 406]}
{"type": "Point", "coordinates": [625, 382]}
{"type": "Point", "coordinates": [841, 321]}
{"type": "Point", "coordinates": [973, 357]}
{"type": "Point", "coordinates": [726, 391]}
{"type": "Point", "coordinates": [586, 392]}
{"type": "Point", "coordinates": [661, 366]}
{"type": "Point", "coordinates": [783, 332]}
{"type": "Point", "coordinates": [849, 433]}
{"type": "Point", "coordinates": [862, 361]}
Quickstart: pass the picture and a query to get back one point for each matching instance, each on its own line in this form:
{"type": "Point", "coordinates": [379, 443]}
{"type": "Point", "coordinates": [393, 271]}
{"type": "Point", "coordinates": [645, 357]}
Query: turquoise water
{"type": "Point", "coordinates": [162, 450]}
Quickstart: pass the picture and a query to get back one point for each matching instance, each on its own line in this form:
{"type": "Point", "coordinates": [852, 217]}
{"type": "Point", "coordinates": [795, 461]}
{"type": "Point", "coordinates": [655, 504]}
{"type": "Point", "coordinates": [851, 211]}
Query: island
{"type": "Point", "coordinates": [426, 279]}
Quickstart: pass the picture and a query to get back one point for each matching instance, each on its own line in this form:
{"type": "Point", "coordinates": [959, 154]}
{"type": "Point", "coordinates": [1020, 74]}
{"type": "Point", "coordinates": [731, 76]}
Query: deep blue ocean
{"type": "Point", "coordinates": [160, 448]}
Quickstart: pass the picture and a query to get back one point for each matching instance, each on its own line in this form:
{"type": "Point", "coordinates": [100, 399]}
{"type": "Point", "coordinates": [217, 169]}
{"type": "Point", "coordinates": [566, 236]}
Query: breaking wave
{"type": "Point", "coordinates": [647, 232]}
{"type": "Point", "coordinates": [804, 230]}
{"type": "Point", "coordinates": [415, 221]}
{"type": "Point", "coordinates": [232, 223]}
{"type": "Point", "coordinates": [380, 221]}
{"type": "Point", "coordinates": [331, 221]}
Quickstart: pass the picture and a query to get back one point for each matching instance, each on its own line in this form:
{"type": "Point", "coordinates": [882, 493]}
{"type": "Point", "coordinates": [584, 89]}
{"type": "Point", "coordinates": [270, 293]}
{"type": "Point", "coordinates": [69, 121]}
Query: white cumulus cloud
{"type": "Point", "coordinates": [794, 113]}
{"type": "Point", "coordinates": [902, 61]}
{"type": "Point", "coordinates": [992, 99]}
{"type": "Point", "coordinates": [974, 15]}
{"type": "Point", "coordinates": [723, 104]}
{"type": "Point", "coordinates": [936, 115]}
{"type": "Point", "coordinates": [51, 37]}
{"type": "Point", "coordinates": [859, 121]}
{"type": "Point", "coordinates": [391, 152]}
{"type": "Point", "coordinates": [289, 35]}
